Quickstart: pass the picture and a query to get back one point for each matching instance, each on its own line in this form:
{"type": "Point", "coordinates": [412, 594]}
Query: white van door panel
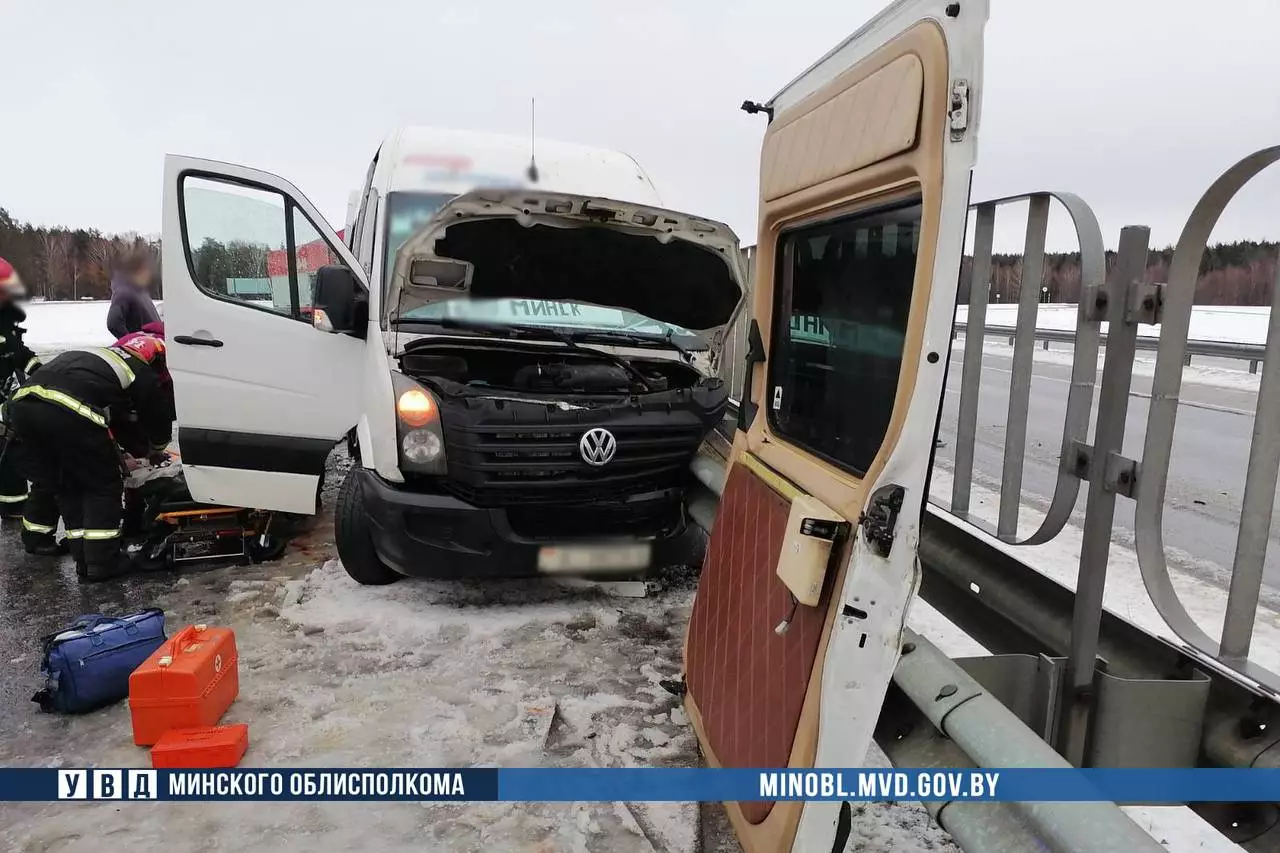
{"type": "Point", "coordinates": [864, 181]}
{"type": "Point", "coordinates": [262, 396]}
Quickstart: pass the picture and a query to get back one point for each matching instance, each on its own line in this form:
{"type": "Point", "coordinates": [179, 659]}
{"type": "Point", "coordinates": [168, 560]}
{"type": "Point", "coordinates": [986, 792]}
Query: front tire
{"type": "Point", "coordinates": [355, 540]}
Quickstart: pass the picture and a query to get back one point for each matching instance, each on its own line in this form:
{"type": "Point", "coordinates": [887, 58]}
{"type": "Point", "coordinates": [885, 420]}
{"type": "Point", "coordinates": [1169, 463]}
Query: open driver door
{"type": "Point", "coordinates": [797, 624]}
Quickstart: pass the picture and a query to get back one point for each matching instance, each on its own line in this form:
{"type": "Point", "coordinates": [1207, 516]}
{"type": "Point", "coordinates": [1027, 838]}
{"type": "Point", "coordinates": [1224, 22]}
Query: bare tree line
{"type": "Point", "coordinates": [1239, 273]}
{"type": "Point", "coordinates": [68, 263]}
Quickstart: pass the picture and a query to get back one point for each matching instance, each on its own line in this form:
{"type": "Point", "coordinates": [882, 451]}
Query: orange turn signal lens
{"type": "Point", "coordinates": [416, 408]}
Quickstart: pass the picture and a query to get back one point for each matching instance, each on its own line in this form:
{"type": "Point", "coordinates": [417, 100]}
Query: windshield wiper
{"type": "Point", "coordinates": [608, 335]}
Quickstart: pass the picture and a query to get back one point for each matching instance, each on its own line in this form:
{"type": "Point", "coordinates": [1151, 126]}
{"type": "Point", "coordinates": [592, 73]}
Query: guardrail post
{"type": "Point", "coordinates": [1113, 409]}
{"type": "Point", "coordinates": [1255, 509]}
{"type": "Point", "coordinates": [1015, 431]}
{"type": "Point", "coordinates": [971, 372]}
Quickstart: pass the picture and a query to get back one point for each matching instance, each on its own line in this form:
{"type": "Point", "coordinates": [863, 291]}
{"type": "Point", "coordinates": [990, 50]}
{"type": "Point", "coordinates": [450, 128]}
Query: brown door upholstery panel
{"type": "Point", "coordinates": [748, 682]}
{"type": "Point", "coordinates": [836, 137]}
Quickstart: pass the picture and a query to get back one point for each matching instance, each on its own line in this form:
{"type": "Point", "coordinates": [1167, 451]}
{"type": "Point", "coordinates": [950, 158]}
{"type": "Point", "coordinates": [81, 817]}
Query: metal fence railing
{"type": "Point", "coordinates": [1264, 453]}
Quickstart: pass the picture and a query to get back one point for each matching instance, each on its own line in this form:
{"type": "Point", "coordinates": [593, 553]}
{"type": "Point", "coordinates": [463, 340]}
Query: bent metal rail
{"type": "Point", "coordinates": [1252, 353]}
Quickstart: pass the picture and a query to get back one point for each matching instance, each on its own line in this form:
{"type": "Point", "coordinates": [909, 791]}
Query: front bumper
{"type": "Point", "coordinates": [440, 536]}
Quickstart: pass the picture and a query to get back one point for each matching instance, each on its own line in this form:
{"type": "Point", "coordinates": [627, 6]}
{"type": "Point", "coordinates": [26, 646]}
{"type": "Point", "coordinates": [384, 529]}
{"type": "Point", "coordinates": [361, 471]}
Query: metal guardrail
{"type": "Point", "coordinates": [1252, 353]}
{"type": "Point", "coordinates": [1084, 369]}
{"type": "Point", "coordinates": [1264, 453]}
{"type": "Point", "coordinates": [1125, 301]}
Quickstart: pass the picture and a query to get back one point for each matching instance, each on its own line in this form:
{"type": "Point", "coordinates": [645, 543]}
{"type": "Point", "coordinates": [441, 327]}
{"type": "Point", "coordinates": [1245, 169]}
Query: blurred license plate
{"type": "Point", "coordinates": [579, 558]}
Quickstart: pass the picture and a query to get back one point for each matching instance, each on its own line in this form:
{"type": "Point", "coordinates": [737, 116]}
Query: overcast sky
{"type": "Point", "coordinates": [1134, 104]}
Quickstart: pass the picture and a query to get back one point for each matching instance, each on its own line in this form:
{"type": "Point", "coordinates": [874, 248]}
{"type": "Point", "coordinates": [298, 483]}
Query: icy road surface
{"type": "Point", "coordinates": [418, 673]}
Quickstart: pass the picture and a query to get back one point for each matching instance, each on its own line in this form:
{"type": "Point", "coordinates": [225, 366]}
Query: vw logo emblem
{"type": "Point", "coordinates": [597, 446]}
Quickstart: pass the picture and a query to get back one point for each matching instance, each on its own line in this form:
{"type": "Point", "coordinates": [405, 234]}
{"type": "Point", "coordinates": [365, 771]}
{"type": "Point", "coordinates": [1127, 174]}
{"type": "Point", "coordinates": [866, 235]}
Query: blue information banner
{"type": "Point", "coordinates": [639, 785]}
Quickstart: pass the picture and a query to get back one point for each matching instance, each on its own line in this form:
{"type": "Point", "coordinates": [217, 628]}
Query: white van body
{"type": "Point", "coordinates": [298, 390]}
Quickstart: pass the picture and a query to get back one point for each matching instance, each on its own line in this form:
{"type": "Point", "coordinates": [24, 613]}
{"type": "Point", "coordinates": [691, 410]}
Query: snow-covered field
{"type": "Point", "coordinates": [1242, 324]}
{"type": "Point", "coordinates": [53, 326]}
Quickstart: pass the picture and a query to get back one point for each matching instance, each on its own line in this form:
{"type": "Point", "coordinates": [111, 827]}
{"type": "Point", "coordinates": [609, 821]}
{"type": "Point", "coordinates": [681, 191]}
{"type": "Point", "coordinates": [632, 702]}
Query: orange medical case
{"type": "Point", "coordinates": [187, 683]}
{"type": "Point", "coordinates": [220, 746]}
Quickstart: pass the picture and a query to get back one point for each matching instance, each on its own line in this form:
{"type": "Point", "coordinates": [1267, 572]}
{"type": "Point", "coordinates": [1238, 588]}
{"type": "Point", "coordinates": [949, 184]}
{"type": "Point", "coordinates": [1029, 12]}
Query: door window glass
{"type": "Point", "coordinates": [310, 253]}
{"type": "Point", "coordinates": [252, 245]}
{"type": "Point", "coordinates": [843, 302]}
{"type": "Point", "coordinates": [237, 242]}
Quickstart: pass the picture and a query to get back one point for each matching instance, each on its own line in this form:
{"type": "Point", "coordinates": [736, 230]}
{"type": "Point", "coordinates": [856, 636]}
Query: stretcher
{"type": "Point", "coordinates": [170, 530]}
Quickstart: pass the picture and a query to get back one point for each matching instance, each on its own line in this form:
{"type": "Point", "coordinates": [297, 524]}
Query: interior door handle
{"type": "Point", "coordinates": [197, 342]}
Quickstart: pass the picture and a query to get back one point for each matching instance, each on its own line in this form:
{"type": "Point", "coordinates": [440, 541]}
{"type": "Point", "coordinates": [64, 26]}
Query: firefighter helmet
{"type": "Point", "coordinates": [146, 347]}
{"type": "Point", "coordinates": [10, 282]}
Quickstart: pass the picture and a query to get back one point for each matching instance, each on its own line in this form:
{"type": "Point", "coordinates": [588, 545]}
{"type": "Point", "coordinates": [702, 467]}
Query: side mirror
{"type": "Point", "coordinates": [440, 273]}
{"type": "Point", "coordinates": [341, 305]}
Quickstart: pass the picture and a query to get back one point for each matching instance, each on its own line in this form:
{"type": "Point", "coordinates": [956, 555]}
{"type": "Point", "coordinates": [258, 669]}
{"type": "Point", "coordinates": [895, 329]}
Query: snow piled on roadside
{"type": "Point", "coordinates": [55, 326]}
{"type": "Point", "coordinates": [1230, 323]}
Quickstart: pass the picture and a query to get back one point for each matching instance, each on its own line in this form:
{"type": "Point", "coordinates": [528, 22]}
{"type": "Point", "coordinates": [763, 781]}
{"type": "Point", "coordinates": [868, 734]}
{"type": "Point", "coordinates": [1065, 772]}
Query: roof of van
{"type": "Point", "coordinates": [432, 159]}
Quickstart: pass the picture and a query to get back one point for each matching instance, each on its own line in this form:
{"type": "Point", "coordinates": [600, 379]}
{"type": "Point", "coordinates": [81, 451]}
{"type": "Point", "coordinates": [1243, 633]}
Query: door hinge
{"type": "Point", "coordinates": [958, 114]}
{"type": "Point", "coordinates": [879, 520]}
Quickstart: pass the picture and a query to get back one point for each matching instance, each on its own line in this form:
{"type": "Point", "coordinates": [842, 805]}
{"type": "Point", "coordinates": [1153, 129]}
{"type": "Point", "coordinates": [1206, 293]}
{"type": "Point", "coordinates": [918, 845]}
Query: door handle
{"type": "Point", "coordinates": [197, 342]}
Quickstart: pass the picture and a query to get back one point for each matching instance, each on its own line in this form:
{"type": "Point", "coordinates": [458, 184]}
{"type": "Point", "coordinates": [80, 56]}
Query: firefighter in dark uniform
{"type": "Point", "coordinates": [63, 416]}
{"type": "Point", "coordinates": [35, 505]}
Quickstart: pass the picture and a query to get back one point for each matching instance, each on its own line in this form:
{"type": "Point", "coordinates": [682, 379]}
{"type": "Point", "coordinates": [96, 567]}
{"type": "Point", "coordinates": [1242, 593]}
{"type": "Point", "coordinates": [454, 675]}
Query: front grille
{"type": "Point", "coordinates": [495, 464]}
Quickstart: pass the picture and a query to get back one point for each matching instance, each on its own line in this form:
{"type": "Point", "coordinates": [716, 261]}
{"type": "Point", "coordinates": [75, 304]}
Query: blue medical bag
{"type": "Point", "coordinates": [87, 665]}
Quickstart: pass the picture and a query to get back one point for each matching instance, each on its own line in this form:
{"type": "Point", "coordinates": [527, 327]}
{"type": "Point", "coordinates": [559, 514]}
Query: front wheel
{"type": "Point", "coordinates": [354, 540]}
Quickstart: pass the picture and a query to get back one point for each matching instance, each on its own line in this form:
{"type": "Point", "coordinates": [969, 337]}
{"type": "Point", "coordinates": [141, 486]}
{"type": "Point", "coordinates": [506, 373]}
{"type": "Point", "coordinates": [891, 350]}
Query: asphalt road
{"type": "Point", "coordinates": [1206, 480]}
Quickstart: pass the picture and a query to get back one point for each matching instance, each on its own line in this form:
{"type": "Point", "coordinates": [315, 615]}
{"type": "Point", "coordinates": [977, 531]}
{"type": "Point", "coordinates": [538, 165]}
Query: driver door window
{"type": "Point", "coordinates": [251, 245]}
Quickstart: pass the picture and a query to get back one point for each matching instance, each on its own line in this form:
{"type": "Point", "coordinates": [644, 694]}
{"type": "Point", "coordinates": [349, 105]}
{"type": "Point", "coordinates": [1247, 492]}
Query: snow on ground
{"type": "Point", "coordinates": [1246, 324]}
{"type": "Point", "coordinates": [415, 674]}
{"type": "Point", "coordinates": [53, 326]}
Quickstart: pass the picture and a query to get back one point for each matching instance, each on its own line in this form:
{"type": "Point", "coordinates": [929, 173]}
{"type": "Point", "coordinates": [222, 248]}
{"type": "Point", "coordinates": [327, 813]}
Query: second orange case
{"type": "Point", "coordinates": [187, 683]}
{"type": "Point", "coordinates": [219, 746]}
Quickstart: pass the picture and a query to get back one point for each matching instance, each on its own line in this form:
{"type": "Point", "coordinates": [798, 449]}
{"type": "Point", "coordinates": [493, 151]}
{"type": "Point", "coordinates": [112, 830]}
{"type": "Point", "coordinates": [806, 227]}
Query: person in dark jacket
{"type": "Point", "coordinates": [63, 417]}
{"type": "Point", "coordinates": [131, 305]}
{"type": "Point", "coordinates": [34, 504]}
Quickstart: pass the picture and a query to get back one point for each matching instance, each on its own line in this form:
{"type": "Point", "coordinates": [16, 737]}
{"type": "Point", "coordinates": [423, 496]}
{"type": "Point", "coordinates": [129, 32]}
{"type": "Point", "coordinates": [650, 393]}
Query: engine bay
{"type": "Point", "coordinates": [480, 368]}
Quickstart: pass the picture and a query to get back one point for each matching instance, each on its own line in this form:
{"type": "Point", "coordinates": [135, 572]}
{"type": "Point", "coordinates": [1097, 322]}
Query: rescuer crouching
{"type": "Point", "coordinates": [64, 418]}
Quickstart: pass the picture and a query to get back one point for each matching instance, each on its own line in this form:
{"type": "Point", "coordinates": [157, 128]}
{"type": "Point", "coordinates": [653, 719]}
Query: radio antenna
{"type": "Point", "coordinates": [533, 140]}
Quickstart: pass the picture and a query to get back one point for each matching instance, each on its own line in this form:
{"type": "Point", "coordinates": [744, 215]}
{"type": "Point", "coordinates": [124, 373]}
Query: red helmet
{"type": "Point", "coordinates": [146, 347]}
{"type": "Point", "coordinates": [10, 283]}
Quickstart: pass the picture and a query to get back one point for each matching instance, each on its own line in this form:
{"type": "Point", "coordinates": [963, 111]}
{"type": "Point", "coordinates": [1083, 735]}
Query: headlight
{"type": "Point", "coordinates": [418, 427]}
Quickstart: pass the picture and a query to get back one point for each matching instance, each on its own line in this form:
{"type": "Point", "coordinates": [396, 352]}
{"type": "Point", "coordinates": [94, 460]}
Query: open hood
{"type": "Point", "coordinates": [535, 245]}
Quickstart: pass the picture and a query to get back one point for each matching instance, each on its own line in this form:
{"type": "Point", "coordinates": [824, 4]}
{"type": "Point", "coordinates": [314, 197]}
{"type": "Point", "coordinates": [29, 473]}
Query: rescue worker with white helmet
{"type": "Point", "coordinates": [63, 416]}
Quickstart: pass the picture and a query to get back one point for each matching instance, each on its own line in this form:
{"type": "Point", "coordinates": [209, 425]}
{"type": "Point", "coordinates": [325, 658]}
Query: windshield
{"type": "Point", "coordinates": [407, 212]}
{"type": "Point", "coordinates": [550, 314]}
